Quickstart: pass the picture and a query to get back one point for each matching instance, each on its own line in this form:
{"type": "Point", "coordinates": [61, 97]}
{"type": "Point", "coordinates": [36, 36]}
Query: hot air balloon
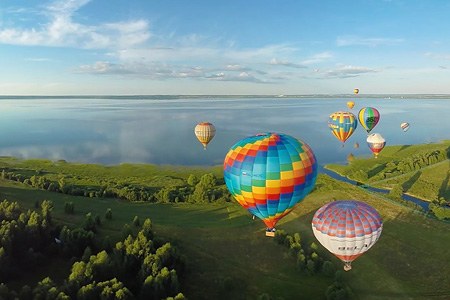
{"type": "Point", "coordinates": [350, 157]}
{"type": "Point", "coordinates": [350, 104]}
{"type": "Point", "coordinates": [404, 126]}
{"type": "Point", "coordinates": [347, 228]}
{"type": "Point", "coordinates": [356, 91]}
{"type": "Point", "coordinates": [368, 117]}
{"type": "Point", "coordinates": [268, 174]}
{"type": "Point", "coordinates": [376, 143]}
{"type": "Point", "coordinates": [342, 124]}
{"type": "Point", "coordinates": [205, 132]}
{"type": "Point", "coordinates": [356, 145]}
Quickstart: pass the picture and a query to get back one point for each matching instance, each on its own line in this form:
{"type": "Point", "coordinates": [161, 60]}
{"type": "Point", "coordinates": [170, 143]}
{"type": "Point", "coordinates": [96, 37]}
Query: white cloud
{"type": "Point", "coordinates": [439, 56]}
{"type": "Point", "coordinates": [347, 71]}
{"type": "Point", "coordinates": [370, 42]}
{"type": "Point", "coordinates": [285, 63]}
{"type": "Point", "coordinates": [61, 30]}
{"type": "Point", "coordinates": [317, 58]}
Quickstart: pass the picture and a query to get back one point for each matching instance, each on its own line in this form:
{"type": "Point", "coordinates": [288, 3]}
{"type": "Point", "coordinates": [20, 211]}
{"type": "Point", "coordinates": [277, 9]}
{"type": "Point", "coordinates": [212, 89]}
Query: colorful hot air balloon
{"type": "Point", "coordinates": [268, 174]}
{"type": "Point", "coordinates": [205, 132]}
{"type": "Point", "coordinates": [350, 104]}
{"type": "Point", "coordinates": [376, 143]}
{"type": "Point", "coordinates": [368, 117]}
{"type": "Point", "coordinates": [347, 228]}
{"type": "Point", "coordinates": [404, 126]}
{"type": "Point", "coordinates": [342, 124]}
{"type": "Point", "coordinates": [356, 91]}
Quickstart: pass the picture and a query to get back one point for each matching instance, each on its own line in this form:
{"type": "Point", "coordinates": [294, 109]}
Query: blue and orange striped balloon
{"type": "Point", "coordinates": [342, 124]}
{"type": "Point", "coordinates": [268, 174]}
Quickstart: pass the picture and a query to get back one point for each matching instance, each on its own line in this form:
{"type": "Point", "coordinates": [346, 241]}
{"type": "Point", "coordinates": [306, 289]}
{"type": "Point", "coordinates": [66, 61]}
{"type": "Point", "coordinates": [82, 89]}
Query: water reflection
{"type": "Point", "coordinates": [112, 131]}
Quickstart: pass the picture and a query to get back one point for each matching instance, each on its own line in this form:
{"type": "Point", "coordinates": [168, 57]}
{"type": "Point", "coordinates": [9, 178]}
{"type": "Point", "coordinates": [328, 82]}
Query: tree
{"type": "Point", "coordinates": [89, 223]}
{"type": "Point", "coordinates": [192, 179]}
{"type": "Point", "coordinates": [328, 268]}
{"type": "Point", "coordinates": [136, 221]}
{"type": "Point", "coordinates": [69, 208]}
{"type": "Point", "coordinates": [108, 214]}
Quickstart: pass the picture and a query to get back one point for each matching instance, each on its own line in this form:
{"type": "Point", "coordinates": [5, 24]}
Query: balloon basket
{"type": "Point", "coordinates": [270, 232]}
{"type": "Point", "coordinates": [347, 266]}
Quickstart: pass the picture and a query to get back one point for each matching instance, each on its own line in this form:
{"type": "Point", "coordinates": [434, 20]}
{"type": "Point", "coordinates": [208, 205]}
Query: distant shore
{"type": "Point", "coordinates": [168, 97]}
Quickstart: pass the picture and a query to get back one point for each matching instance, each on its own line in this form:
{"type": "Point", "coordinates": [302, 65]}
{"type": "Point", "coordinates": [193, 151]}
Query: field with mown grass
{"type": "Point", "coordinates": [229, 257]}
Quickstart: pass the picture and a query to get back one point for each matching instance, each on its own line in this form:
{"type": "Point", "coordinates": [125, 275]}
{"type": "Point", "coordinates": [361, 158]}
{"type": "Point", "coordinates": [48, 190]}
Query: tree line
{"type": "Point", "coordinates": [207, 188]}
{"type": "Point", "coordinates": [140, 266]}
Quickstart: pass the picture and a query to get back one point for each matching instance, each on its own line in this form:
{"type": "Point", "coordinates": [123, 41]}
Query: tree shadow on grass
{"type": "Point", "coordinates": [410, 182]}
{"type": "Point", "coordinates": [403, 147]}
{"type": "Point", "coordinates": [375, 170]}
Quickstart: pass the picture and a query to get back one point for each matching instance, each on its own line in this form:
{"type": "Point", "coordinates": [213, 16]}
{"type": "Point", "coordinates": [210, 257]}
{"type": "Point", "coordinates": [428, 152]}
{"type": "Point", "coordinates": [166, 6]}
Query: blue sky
{"type": "Point", "coordinates": [104, 47]}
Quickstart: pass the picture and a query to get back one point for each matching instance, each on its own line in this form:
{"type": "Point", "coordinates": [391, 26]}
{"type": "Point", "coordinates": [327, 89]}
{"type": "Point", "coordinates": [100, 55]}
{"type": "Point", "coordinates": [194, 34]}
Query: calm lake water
{"type": "Point", "coordinates": [161, 131]}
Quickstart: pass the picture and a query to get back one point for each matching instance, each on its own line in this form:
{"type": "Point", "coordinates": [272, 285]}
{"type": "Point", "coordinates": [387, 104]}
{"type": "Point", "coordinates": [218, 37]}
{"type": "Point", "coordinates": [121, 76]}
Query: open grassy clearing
{"type": "Point", "coordinates": [228, 256]}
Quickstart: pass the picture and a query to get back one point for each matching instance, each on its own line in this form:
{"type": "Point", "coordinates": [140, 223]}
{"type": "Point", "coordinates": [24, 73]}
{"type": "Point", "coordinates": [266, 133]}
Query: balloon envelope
{"type": "Point", "coordinates": [268, 174]}
{"type": "Point", "coordinates": [404, 126]}
{"type": "Point", "coordinates": [205, 132]}
{"type": "Point", "coordinates": [356, 91]}
{"type": "Point", "coordinates": [350, 104]}
{"type": "Point", "coordinates": [376, 143]}
{"type": "Point", "coordinates": [342, 124]}
{"type": "Point", "coordinates": [347, 228]}
{"type": "Point", "coordinates": [368, 117]}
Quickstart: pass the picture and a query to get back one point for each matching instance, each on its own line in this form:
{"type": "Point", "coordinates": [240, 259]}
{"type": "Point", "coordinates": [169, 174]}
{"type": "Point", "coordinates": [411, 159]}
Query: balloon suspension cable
{"type": "Point", "coordinates": [347, 266]}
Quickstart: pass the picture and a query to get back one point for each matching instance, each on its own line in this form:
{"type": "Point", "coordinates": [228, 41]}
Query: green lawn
{"type": "Point", "coordinates": [228, 256]}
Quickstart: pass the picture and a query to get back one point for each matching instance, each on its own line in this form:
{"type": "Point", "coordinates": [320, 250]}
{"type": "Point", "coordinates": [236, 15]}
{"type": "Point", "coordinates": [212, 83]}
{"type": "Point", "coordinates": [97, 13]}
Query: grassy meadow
{"type": "Point", "coordinates": [228, 256]}
{"type": "Point", "coordinates": [429, 180]}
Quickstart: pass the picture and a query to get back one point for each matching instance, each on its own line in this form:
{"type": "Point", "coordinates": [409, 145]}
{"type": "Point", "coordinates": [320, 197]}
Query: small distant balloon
{"type": "Point", "coordinates": [347, 228]}
{"type": "Point", "coordinates": [350, 104]}
{"type": "Point", "coordinates": [350, 157]}
{"type": "Point", "coordinates": [342, 124]}
{"type": "Point", "coordinates": [404, 126]}
{"type": "Point", "coordinates": [369, 118]}
{"type": "Point", "coordinates": [376, 143]}
{"type": "Point", "coordinates": [356, 91]}
{"type": "Point", "coordinates": [356, 145]}
{"type": "Point", "coordinates": [205, 132]}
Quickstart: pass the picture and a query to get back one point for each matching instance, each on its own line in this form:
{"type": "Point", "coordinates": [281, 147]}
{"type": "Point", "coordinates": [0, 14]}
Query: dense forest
{"type": "Point", "coordinates": [140, 266]}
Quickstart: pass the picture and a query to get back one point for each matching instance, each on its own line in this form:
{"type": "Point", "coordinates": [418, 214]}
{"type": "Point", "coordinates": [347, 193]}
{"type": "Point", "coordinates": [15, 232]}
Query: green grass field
{"type": "Point", "coordinates": [229, 257]}
{"type": "Point", "coordinates": [429, 183]}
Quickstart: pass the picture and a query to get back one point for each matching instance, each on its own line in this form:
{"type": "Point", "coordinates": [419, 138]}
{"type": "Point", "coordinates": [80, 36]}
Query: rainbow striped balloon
{"type": "Point", "coordinates": [268, 174]}
{"type": "Point", "coordinates": [342, 124]}
{"type": "Point", "coordinates": [347, 228]}
{"type": "Point", "coordinates": [369, 118]}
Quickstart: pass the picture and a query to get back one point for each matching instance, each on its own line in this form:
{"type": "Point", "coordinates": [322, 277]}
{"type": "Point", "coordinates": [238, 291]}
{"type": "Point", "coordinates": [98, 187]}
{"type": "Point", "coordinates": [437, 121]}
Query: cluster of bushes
{"type": "Point", "coordinates": [440, 208]}
{"type": "Point", "coordinates": [310, 261]}
{"type": "Point", "coordinates": [207, 188]}
{"type": "Point", "coordinates": [138, 267]}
